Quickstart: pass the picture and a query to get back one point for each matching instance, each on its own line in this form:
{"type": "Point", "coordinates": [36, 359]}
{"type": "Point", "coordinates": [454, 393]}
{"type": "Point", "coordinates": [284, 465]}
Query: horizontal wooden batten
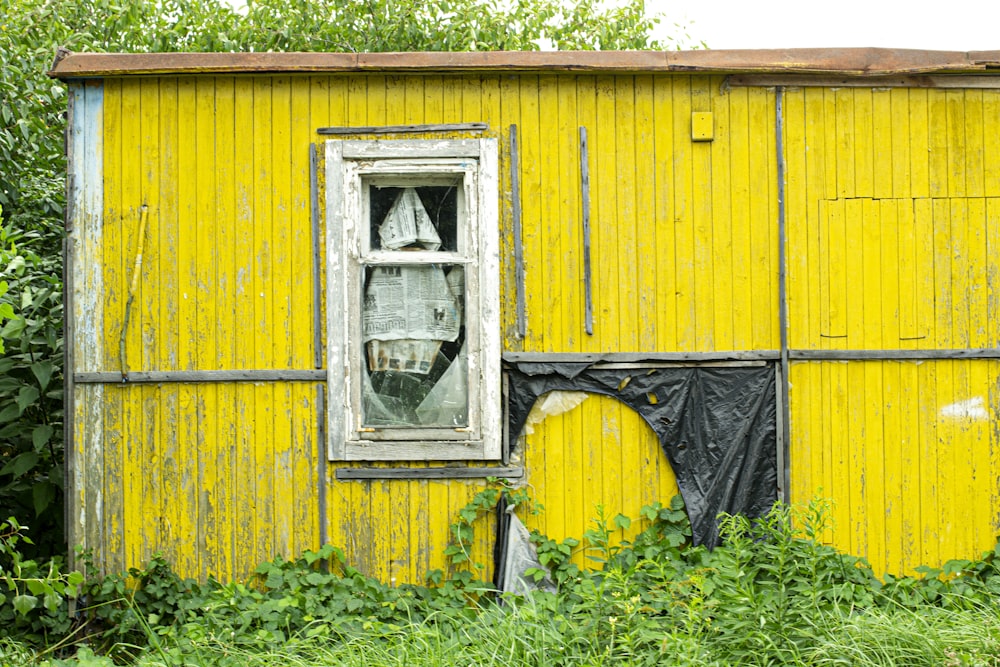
{"type": "Point", "coordinates": [644, 359]}
{"type": "Point", "coordinates": [514, 472]}
{"type": "Point", "coordinates": [797, 80]}
{"type": "Point", "coordinates": [395, 129]}
{"type": "Point", "coordinates": [891, 355]}
{"type": "Point", "coordinates": [155, 377]}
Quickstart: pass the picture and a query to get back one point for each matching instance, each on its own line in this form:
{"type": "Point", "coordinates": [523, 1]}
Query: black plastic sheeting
{"type": "Point", "coordinates": [717, 425]}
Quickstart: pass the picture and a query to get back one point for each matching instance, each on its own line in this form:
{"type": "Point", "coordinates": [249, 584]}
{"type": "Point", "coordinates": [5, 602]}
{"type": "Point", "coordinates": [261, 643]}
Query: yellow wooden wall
{"type": "Point", "coordinates": [894, 226]}
{"type": "Point", "coordinates": [221, 476]}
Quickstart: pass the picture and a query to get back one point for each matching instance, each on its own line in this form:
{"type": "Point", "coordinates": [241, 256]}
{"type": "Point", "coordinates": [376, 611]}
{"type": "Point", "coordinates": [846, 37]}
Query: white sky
{"type": "Point", "coordinates": [955, 25]}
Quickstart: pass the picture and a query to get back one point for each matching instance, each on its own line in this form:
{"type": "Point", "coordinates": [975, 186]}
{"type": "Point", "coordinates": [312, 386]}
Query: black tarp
{"type": "Point", "coordinates": [717, 425]}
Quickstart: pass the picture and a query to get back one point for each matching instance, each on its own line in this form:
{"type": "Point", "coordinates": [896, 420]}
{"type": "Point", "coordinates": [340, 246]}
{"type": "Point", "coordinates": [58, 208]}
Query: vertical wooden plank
{"type": "Point", "coordinates": [282, 354]}
{"type": "Point", "coordinates": [164, 238]}
{"type": "Point", "coordinates": [412, 94]}
{"type": "Point", "coordinates": [856, 445]}
{"type": "Point", "coordinates": [763, 216]}
{"type": "Point", "coordinates": [263, 315]}
{"type": "Point", "coordinates": [720, 187]}
{"type": "Point", "coordinates": [85, 245]}
{"type": "Point", "coordinates": [302, 396]}
{"type": "Point", "coordinates": [883, 133]}
{"type": "Point", "coordinates": [204, 294]}
{"type": "Point", "coordinates": [531, 200]}
{"type": "Point", "coordinates": [936, 128]}
{"type": "Point", "coordinates": [550, 233]}
{"type": "Point", "coordinates": [876, 449]}
{"type": "Point", "coordinates": [839, 437]}
{"type": "Point", "coordinates": [976, 147]}
{"type": "Point", "coordinates": [862, 139]}
{"type": "Point", "coordinates": [845, 274]}
{"type": "Point", "coordinates": [991, 128]}
{"type": "Point", "coordinates": [909, 330]}
{"type": "Point", "coordinates": [647, 223]}
{"type": "Point", "coordinates": [957, 152]}
{"type": "Point", "coordinates": [684, 320]}
{"type": "Point", "coordinates": [871, 266]}
{"type": "Point", "coordinates": [844, 140]}
{"type": "Point", "coordinates": [147, 306]}
{"type": "Point", "coordinates": [920, 146]}
{"type": "Point", "coordinates": [703, 256]}
{"type": "Point", "coordinates": [743, 296]}
{"type": "Point", "coordinates": [900, 149]}
{"type": "Point", "coordinates": [894, 443]}
{"type": "Point", "coordinates": [802, 464]}
{"type": "Point", "coordinates": [665, 201]}
{"type": "Point", "coordinates": [109, 519]}
{"type": "Point", "coordinates": [992, 233]}
{"type": "Point", "coordinates": [799, 260]}
{"type": "Point", "coordinates": [890, 265]}
{"type": "Point", "coordinates": [128, 478]}
{"type": "Point", "coordinates": [993, 479]}
{"type": "Point", "coordinates": [566, 293]}
{"type": "Point", "coordinates": [907, 517]}
{"type": "Point", "coordinates": [981, 534]}
{"type": "Point", "coordinates": [185, 460]}
{"type": "Point", "coordinates": [813, 167]}
{"type": "Point", "coordinates": [226, 334]}
{"type": "Point", "coordinates": [606, 247]}
{"type": "Point", "coordinates": [245, 297]}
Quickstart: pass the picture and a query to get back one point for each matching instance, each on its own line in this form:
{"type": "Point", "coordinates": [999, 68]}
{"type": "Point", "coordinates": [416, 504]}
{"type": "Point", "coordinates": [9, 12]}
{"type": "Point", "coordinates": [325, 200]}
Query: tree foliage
{"type": "Point", "coordinates": [33, 166]}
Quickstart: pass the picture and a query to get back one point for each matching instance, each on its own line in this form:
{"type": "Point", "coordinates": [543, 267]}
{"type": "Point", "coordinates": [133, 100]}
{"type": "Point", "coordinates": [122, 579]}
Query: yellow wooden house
{"type": "Point", "coordinates": [311, 298]}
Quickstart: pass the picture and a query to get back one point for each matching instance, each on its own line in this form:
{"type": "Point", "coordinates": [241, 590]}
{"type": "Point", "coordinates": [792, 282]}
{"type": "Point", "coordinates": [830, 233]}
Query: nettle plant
{"type": "Point", "coordinates": [31, 388]}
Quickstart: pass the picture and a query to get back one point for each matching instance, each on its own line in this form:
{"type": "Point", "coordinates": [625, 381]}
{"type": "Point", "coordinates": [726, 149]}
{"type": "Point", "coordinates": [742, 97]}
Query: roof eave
{"type": "Point", "coordinates": [863, 62]}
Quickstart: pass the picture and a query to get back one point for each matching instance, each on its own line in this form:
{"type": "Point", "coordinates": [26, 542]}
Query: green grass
{"type": "Point", "coordinates": [769, 595]}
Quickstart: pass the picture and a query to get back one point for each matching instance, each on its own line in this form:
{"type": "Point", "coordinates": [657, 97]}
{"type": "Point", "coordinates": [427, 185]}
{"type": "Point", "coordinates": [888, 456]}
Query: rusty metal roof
{"type": "Point", "coordinates": [858, 62]}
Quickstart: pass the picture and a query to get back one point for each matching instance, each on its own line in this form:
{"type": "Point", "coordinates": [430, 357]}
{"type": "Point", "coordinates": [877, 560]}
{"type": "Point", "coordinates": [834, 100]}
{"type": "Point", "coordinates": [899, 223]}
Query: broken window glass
{"type": "Point", "coordinates": [415, 370]}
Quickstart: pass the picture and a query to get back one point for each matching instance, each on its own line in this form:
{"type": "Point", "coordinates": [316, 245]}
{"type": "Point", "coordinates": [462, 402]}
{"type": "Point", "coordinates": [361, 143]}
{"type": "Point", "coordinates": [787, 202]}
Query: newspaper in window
{"type": "Point", "coordinates": [407, 224]}
{"type": "Point", "coordinates": [409, 303]}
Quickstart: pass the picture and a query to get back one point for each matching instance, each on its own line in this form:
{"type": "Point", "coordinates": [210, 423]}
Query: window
{"type": "Point", "coordinates": [413, 321]}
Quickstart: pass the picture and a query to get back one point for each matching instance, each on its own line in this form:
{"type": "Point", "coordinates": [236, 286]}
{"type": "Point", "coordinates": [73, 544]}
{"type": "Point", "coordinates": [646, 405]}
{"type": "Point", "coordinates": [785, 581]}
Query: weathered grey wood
{"type": "Point", "coordinates": [428, 473]}
{"type": "Point", "coordinates": [321, 459]}
{"type": "Point", "coordinates": [85, 438]}
{"type": "Point", "coordinates": [376, 149]}
{"type": "Point", "coordinates": [782, 395]}
{"type": "Point", "coordinates": [893, 355]}
{"type": "Point", "coordinates": [336, 301]}
{"type": "Point", "coordinates": [69, 327]}
{"type": "Point", "coordinates": [588, 294]}
{"type": "Point", "coordinates": [485, 367]}
{"type": "Point", "coordinates": [348, 162]}
{"type": "Point", "coordinates": [392, 129]}
{"type": "Point", "coordinates": [648, 365]}
{"type": "Point", "coordinates": [317, 266]}
{"type": "Point", "coordinates": [841, 81]}
{"type": "Point", "coordinates": [521, 327]}
{"type": "Point", "coordinates": [148, 377]}
{"type": "Point", "coordinates": [416, 450]}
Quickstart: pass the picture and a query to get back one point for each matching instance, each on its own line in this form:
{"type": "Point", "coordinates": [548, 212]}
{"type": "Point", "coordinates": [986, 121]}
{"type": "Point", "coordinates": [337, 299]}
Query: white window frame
{"type": "Point", "coordinates": [348, 162]}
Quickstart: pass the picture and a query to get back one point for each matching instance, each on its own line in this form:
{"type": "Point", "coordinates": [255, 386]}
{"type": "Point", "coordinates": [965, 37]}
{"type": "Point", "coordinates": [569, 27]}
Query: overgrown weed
{"type": "Point", "coordinates": [770, 594]}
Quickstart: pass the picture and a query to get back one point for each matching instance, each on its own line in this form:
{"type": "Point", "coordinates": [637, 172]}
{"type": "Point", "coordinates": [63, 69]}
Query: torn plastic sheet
{"type": "Point", "coordinates": [552, 404]}
{"type": "Point", "coordinates": [514, 555]}
{"type": "Point", "coordinates": [717, 425]}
